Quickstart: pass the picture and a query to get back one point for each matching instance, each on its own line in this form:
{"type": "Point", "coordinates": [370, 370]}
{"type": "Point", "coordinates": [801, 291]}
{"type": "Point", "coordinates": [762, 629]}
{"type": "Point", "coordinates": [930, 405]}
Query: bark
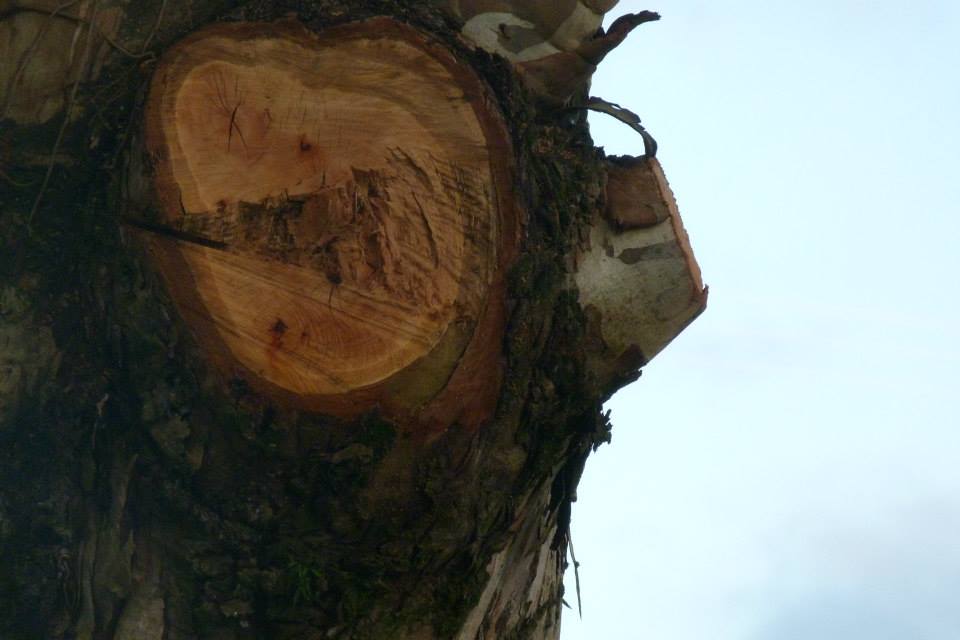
{"type": "Point", "coordinates": [193, 444]}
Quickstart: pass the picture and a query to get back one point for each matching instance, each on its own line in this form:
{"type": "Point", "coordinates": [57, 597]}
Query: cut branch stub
{"type": "Point", "coordinates": [638, 276]}
{"type": "Point", "coordinates": [331, 220]}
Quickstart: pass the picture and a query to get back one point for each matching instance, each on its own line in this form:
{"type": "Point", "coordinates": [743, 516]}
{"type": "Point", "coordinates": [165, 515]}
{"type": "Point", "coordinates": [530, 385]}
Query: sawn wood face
{"type": "Point", "coordinates": [337, 208]}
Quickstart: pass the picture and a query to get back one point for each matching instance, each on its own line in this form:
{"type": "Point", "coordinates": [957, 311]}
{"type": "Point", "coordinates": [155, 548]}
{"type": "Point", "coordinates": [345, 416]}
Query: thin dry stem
{"type": "Point", "coordinates": [29, 53]}
{"type": "Point", "coordinates": [84, 61]}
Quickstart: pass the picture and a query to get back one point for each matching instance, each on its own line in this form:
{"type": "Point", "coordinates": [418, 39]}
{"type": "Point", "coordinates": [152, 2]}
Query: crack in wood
{"type": "Point", "coordinates": [176, 234]}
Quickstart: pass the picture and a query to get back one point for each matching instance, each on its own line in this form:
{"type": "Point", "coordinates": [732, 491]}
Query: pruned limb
{"type": "Point", "coordinates": [638, 278]}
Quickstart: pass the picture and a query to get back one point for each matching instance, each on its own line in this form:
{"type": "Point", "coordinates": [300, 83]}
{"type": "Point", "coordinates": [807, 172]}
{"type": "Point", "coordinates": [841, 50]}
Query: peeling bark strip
{"type": "Point", "coordinates": [348, 191]}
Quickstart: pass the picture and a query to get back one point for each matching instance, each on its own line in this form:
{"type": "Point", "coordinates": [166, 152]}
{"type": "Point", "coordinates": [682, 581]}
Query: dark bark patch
{"type": "Point", "coordinates": [661, 251]}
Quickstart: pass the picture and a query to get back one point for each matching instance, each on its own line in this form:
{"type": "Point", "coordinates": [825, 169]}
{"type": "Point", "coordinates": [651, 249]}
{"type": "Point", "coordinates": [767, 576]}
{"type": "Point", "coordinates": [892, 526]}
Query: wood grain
{"type": "Point", "coordinates": [348, 192]}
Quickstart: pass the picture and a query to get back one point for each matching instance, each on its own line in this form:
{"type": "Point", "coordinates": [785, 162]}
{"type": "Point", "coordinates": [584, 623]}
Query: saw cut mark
{"type": "Point", "coordinates": [290, 168]}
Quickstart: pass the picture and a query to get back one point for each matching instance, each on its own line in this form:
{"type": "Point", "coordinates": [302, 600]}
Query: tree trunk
{"type": "Point", "coordinates": [307, 312]}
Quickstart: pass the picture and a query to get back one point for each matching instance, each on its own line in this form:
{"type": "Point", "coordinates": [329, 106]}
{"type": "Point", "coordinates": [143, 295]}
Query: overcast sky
{"type": "Point", "coordinates": [789, 468]}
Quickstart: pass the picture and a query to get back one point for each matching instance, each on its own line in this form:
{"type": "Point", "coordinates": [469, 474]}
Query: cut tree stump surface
{"type": "Point", "coordinates": [333, 204]}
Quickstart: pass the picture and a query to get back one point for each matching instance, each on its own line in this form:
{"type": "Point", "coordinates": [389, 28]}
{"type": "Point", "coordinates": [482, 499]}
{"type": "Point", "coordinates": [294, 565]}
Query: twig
{"type": "Point", "coordinates": [625, 116]}
{"type": "Point", "coordinates": [66, 117]}
{"type": "Point", "coordinates": [156, 27]}
{"type": "Point", "coordinates": [119, 47]}
{"type": "Point", "coordinates": [28, 54]}
{"type": "Point", "coordinates": [576, 572]}
{"type": "Point", "coordinates": [103, 34]}
{"type": "Point", "coordinates": [9, 179]}
{"type": "Point", "coordinates": [100, 31]}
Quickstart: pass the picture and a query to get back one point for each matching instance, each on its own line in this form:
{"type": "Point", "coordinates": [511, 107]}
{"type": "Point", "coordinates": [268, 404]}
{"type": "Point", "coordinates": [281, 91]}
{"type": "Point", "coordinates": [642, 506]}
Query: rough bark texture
{"type": "Point", "coordinates": [146, 494]}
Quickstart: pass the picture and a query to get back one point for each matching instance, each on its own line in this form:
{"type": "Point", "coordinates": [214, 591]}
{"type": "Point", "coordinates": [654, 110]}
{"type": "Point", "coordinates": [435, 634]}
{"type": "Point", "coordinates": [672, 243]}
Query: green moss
{"type": "Point", "coordinates": [307, 582]}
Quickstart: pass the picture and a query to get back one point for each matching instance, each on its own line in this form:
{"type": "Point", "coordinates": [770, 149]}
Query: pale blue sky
{"type": "Point", "coordinates": [789, 468]}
